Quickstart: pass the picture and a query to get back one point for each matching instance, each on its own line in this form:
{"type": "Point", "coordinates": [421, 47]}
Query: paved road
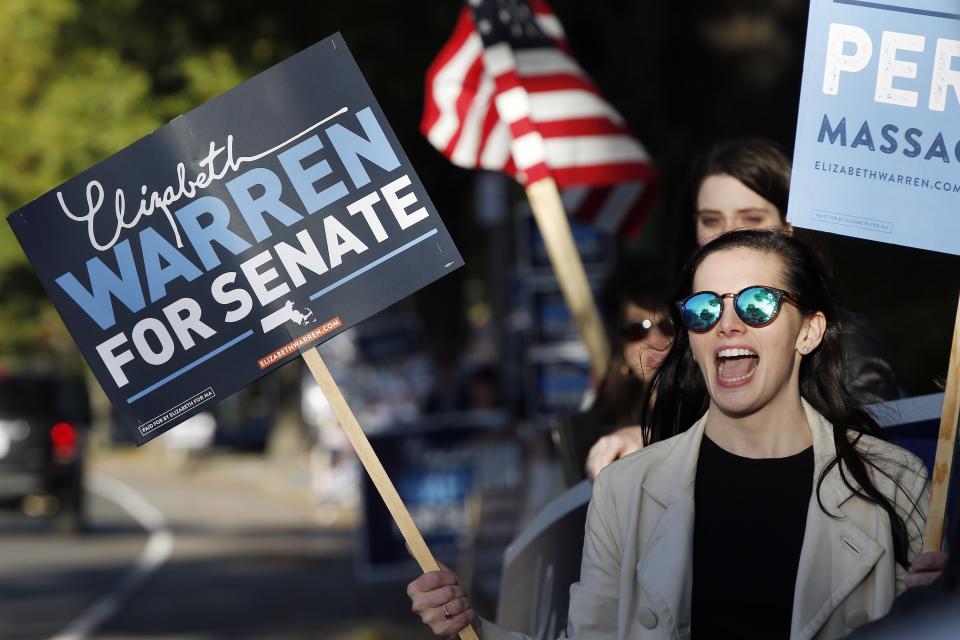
{"type": "Point", "coordinates": [47, 579]}
{"type": "Point", "coordinates": [249, 561]}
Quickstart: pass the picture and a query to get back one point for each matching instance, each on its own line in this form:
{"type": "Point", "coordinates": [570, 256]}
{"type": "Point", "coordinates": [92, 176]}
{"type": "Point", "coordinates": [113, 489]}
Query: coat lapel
{"type": "Point", "coordinates": [836, 554]}
{"type": "Point", "coordinates": [665, 569]}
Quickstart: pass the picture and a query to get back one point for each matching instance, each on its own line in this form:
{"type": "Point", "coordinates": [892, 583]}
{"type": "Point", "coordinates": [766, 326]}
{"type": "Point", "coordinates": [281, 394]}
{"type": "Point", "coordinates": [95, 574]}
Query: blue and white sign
{"type": "Point", "coordinates": [218, 247]}
{"type": "Point", "coordinates": [878, 136]}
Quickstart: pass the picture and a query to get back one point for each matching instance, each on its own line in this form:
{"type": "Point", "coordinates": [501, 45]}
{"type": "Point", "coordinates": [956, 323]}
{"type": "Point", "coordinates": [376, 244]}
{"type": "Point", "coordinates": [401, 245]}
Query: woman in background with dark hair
{"type": "Point", "coordinates": [806, 522]}
{"type": "Point", "coordinates": [738, 184]}
{"type": "Point", "coordinates": [641, 332]}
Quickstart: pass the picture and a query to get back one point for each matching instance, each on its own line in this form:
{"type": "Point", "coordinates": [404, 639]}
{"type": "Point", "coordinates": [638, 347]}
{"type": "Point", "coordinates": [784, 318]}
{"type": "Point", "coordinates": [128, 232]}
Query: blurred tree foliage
{"type": "Point", "coordinates": [66, 103]}
{"type": "Point", "coordinates": [73, 94]}
{"type": "Point", "coordinates": [85, 78]}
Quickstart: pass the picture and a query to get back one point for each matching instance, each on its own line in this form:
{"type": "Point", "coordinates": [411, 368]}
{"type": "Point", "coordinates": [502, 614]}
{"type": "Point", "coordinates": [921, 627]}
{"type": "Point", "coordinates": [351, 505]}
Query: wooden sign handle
{"type": "Point", "coordinates": [568, 267]}
{"type": "Point", "coordinates": [408, 529]}
{"type": "Point", "coordinates": [946, 446]}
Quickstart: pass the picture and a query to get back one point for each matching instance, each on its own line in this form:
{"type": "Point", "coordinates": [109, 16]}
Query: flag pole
{"type": "Point", "coordinates": [946, 446]}
{"type": "Point", "coordinates": [552, 221]}
{"type": "Point", "coordinates": [368, 457]}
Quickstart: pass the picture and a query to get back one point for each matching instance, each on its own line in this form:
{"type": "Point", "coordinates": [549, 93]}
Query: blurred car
{"type": "Point", "coordinates": [42, 428]}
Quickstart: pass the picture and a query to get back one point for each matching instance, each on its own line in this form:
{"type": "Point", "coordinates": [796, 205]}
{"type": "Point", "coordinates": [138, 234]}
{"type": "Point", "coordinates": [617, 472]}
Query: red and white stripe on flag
{"type": "Point", "coordinates": [506, 94]}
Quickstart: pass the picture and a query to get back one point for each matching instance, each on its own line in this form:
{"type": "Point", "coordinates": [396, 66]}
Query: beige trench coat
{"type": "Point", "coordinates": [636, 575]}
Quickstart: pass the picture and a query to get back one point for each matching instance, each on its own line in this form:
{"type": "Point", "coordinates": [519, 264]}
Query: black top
{"type": "Point", "coordinates": [748, 531]}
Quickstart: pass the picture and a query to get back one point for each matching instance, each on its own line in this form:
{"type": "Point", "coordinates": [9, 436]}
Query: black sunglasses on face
{"type": "Point", "coordinates": [756, 305]}
{"type": "Point", "coordinates": [634, 331]}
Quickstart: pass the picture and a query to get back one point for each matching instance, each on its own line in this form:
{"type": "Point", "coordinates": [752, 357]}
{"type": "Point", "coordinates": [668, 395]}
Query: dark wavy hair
{"type": "Point", "coordinates": [620, 393]}
{"type": "Point", "coordinates": [761, 165]}
{"type": "Point", "coordinates": [681, 394]}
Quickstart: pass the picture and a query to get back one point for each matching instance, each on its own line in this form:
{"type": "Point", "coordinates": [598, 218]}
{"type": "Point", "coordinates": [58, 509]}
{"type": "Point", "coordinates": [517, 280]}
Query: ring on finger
{"type": "Point", "coordinates": [446, 614]}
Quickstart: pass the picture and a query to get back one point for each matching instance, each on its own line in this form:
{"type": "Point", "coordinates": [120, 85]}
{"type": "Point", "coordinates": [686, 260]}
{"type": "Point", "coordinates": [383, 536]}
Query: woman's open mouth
{"type": "Point", "coordinates": [735, 366]}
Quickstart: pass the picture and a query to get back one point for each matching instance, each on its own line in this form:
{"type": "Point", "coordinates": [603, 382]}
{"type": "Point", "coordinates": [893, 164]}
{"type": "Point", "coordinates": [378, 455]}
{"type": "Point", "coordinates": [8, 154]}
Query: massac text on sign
{"type": "Point", "coordinates": [878, 135]}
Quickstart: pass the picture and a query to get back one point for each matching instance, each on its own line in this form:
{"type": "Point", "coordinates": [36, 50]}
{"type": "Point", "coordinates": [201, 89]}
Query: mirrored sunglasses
{"type": "Point", "coordinates": [756, 305]}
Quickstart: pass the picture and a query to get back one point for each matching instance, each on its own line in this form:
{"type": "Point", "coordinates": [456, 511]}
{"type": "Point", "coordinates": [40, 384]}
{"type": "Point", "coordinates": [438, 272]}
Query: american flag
{"type": "Point", "coordinates": [506, 94]}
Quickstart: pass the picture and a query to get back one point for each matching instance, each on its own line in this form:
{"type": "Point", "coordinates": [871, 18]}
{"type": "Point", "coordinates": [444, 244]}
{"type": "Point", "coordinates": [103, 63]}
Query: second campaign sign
{"type": "Point", "coordinates": [878, 135]}
{"type": "Point", "coordinates": [215, 249]}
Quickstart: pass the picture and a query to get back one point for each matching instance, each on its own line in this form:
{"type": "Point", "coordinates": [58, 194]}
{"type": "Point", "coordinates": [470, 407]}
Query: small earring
{"type": "Point", "coordinates": [624, 370]}
{"type": "Point", "coordinates": [806, 349]}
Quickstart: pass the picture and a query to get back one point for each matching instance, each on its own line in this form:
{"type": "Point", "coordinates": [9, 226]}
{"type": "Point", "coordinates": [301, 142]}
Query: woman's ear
{"type": "Point", "coordinates": [811, 333]}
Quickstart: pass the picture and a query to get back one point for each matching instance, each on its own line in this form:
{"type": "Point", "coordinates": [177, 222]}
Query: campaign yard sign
{"type": "Point", "coordinates": [215, 249]}
{"type": "Point", "coordinates": [878, 137]}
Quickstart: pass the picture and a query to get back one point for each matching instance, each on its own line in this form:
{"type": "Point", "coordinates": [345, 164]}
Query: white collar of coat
{"type": "Point", "coordinates": [676, 473]}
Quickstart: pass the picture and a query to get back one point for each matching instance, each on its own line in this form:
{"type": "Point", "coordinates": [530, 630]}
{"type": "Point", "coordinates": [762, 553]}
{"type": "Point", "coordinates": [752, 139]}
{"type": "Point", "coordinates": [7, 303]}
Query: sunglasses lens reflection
{"type": "Point", "coordinates": [702, 311]}
{"type": "Point", "coordinates": [757, 305]}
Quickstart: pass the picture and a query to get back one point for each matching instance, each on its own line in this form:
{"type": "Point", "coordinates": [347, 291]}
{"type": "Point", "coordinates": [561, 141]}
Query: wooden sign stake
{"type": "Point", "coordinates": [946, 446]}
{"type": "Point", "coordinates": [552, 221]}
{"type": "Point", "coordinates": [415, 542]}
